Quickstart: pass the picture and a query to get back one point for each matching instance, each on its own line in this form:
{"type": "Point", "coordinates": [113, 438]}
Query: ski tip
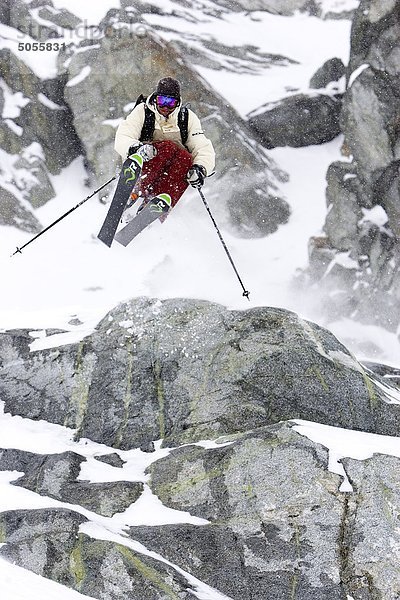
{"type": "Point", "coordinates": [246, 294]}
{"type": "Point", "coordinates": [105, 240]}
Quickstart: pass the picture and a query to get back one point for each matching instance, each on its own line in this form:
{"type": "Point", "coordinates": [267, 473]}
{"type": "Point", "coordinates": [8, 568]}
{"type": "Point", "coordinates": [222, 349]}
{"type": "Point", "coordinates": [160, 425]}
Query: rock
{"type": "Point", "coordinates": [370, 533]}
{"type": "Point", "coordinates": [5, 16]}
{"type": "Point", "coordinates": [283, 7]}
{"type": "Point", "coordinates": [41, 540]}
{"type": "Point", "coordinates": [332, 70]}
{"type": "Point", "coordinates": [114, 571]}
{"type": "Point", "coordinates": [38, 134]}
{"type": "Point", "coordinates": [37, 188]}
{"type": "Point", "coordinates": [375, 36]}
{"type": "Point", "coordinates": [392, 373]}
{"type": "Point", "coordinates": [213, 553]}
{"type": "Point", "coordinates": [62, 18]}
{"type": "Point", "coordinates": [344, 211]}
{"type": "Point", "coordinates": [186, 370]}
{"type": "Point", "coordinates": [371, 99]}
{"type": "Point", "coordinates": [56, 476]}
{"type": "Point", "coordinates": [111, 459]}
{"type": "Point", "coordinates": [370, 290]}
{"type": "Point", "coordinates": [42, 120]}
{"type": "Point", "coordinates": [46, 541]}
{"type": "Point", "coordinates": [297, 120]}
{"type": "Point", "coordinates": [38, 19]}
{"type": "Point", "coordinates": [256, 213]}
{"type": "Point", "coordinates": [278, 529]}
{"type": "Point", "coordinates": [13, 213]}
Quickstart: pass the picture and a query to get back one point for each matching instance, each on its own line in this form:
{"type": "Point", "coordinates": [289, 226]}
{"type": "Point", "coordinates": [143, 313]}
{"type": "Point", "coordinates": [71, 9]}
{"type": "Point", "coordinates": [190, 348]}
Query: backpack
{"type": "Point", "coordinates": [150, 120]}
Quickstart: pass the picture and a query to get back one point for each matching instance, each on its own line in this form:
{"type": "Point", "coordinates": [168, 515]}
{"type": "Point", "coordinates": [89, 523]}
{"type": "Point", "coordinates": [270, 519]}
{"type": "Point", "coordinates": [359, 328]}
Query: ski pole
{"type": "Point", "coordinates": [245, 292]}
{"type": "Point", "coordinates": [19, 250]}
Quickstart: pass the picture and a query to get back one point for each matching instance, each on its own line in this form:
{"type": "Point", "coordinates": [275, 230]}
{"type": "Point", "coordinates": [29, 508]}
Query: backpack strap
{"type": "Point", "coordinates": [146, 135]}
{"type": "Point", "coordinates": [183, 123]}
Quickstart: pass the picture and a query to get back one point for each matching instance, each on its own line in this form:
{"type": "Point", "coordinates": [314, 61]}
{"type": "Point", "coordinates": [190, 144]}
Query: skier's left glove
{"type": "Point", "coordinates": [146, 151]}
{"type": "Point", "coordinates": [196, 176]}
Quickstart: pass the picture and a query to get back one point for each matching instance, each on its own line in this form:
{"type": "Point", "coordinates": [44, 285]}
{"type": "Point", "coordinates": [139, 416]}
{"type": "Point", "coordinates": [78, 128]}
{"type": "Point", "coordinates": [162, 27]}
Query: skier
{"type": "Point", "coordinates": [183, 154]}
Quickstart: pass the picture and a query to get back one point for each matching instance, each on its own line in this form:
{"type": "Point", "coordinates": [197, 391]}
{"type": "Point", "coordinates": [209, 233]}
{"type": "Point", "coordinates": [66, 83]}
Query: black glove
{"type": "Point", "coordinates": [134, 148]}
{"type": "Point", "coordinates": [196, 176]}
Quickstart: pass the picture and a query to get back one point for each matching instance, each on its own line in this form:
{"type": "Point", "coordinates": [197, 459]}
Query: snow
{"type": "Point", "coordinates": [15, 583]}
{"type": "Point", "coordinates": [272, 34]}
{"type": "Point", "coordinates": [49, 103]}
{"type": "Point", "coordinates": [13, 102]}
{"type": "Point", "coordinates": [356, 73]}
{"type": "Point", "coordinates": [376, 215]}
{"type": "Point", "coordinates": [43, 66]}
{"type": "Point", "coordinates": [347, 443]}
{"type": "Point", "coordinates": [85, 72]}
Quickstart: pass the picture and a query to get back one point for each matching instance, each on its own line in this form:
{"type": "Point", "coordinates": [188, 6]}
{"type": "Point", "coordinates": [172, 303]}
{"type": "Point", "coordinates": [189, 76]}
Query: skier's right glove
{"type": "Point", "coordinates": [196, 176]}
{"type": "Point", "coordinates": [146, 151]}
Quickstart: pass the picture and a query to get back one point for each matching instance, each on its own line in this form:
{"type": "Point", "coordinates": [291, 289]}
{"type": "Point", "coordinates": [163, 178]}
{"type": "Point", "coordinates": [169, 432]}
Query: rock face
{"type": "Point", "coordinates": [298, 120]}
{"type": "Point", "coordinates": [358, 262]}
{"type": "Point", "coordinates": [277, 525]}
{"type": "Point", "coordinates": [187, 370]}
{"type": "Point", "coordinates": [251, 493]}
{"type": "Point", "coordinates": [238, 502]}
{"type": "Point", "coordinates": [36, 129]}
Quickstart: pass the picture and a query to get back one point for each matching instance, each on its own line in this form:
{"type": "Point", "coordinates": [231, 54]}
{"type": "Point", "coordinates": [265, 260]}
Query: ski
{"type": "Point", "coordinates": [159, 205]}
{"type": "Point", "coordinates": [130, 173]}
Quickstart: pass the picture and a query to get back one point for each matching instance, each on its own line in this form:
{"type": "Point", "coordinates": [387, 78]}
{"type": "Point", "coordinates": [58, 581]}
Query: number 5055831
{"type": "Point", "coordinates": [41, 46]}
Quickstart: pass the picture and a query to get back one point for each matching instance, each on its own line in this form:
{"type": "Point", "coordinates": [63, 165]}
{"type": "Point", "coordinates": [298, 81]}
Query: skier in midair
{"type": "Point", "coordinates": [183, 154]}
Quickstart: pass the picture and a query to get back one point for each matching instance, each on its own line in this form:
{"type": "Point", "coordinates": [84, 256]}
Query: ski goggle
{"type": "Point", "coordinates": [167, 101]}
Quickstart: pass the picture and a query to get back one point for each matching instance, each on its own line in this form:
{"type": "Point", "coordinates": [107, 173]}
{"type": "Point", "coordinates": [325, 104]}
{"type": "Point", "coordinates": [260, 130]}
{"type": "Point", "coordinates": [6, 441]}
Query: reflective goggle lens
{"type": "Point", "coordinates": [168, 101]}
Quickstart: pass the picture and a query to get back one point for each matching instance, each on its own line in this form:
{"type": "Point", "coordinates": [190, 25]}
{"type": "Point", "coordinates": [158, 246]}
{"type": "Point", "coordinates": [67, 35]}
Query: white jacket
{"type": "Point", "coordinates": [166, 128]}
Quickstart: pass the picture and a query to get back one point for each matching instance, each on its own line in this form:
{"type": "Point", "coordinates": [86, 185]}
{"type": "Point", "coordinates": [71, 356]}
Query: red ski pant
{"type": "Point", "coordinates": [166, 172]}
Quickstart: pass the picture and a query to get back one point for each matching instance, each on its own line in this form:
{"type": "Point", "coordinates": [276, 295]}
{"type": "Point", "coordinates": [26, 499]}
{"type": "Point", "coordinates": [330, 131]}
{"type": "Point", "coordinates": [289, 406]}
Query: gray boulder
{"type": "Point", "coordinates": [56, 476]}
{"type": "Point", "coordinates": [185, 370]}
{"type": "Point", "coordinates": [41, 133]}
{"type": "Point", "coordinates": [371, 99]}
{"type": "Point", "coordinates": [36, 189]}
{"type": "Point", "coordinates": [370, 524]}
{"type": "Point", "coordinates": [332, 70]}
{"type": "Point", "coordinates": [41, 540]}
{"type": "Point", "coordinates": [47, 542]}
{"type": "Point", "coordinates": [297, 120]}
{"type": "Point", "coordinates": [38, 19]}
{"type": "Point", "coordinates": [277, 529]}
{"type": "Point", "coordinates": [344, 211]}
{"type": "Point", "coordinates": [62, 18]}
